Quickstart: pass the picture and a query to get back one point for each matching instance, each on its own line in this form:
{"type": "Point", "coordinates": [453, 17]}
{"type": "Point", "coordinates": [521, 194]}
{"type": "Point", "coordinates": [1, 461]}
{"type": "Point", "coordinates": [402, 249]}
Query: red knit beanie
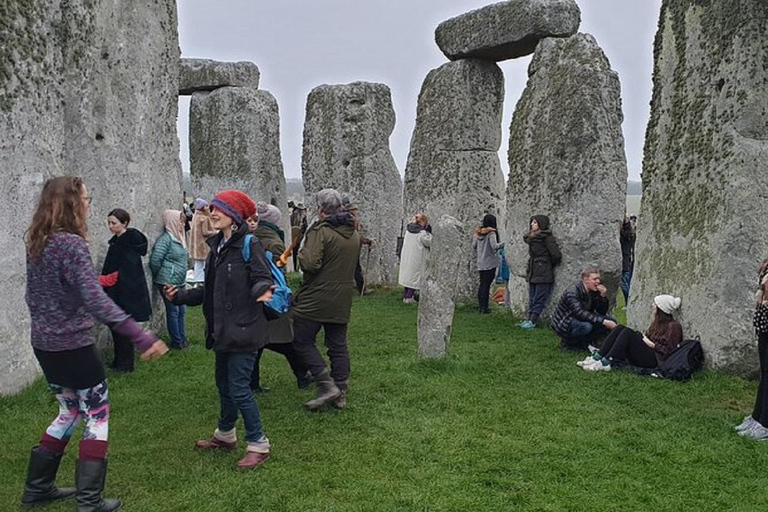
{"type": "Point", "coordinates": [234, 204]}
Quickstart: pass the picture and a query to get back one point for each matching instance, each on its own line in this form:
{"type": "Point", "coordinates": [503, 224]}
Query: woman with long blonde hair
{"type": "Point", "coordinates": [65, 301]}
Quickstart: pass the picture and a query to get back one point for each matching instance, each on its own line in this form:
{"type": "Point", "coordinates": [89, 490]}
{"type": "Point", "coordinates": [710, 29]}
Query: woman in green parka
{"type": "Point", "coordinates": [169, 263]}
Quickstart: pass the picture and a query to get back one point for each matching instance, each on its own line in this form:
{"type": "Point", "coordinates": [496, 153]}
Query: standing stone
{"type": "Point", "coordinates": [80, 94]}
{"type": "Point", "coordinates": [506, 30]}
{"type": "Point", "coordinates": [346, 147]}
{"type": "Point", "coordinates": [453, 166]}
{"type": "Point", "coordinates": [197, 75]}
{"type": "Point", "coordinates": [438, 293]}
{"type": "Point", "coordinates": [702, 224]}
{"type": "Point", "coordinates": [234, 143]}
{"type": "Point", "coordinates": [567, 161]}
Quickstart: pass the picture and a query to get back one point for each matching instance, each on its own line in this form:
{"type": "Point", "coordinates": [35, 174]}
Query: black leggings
{"type": "Point", "coordinates": [484, 290]}
{"type": "Point", "coordinates": [760, 413]}
{"type": "Point", "coordinates": [626, 345]}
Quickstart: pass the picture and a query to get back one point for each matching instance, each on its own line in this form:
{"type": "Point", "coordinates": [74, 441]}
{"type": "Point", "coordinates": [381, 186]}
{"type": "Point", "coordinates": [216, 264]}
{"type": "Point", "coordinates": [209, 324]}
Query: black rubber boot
{"type": "Point", "coordinates": [326, 392]}
{"type": "Point", "coordinates": [41, 474]}
{"type": "Point", "coordinates": [90, 477]}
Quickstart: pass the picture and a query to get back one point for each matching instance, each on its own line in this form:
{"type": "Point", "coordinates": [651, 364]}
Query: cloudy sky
{"type": "Point", "coordinates": [299, 45]}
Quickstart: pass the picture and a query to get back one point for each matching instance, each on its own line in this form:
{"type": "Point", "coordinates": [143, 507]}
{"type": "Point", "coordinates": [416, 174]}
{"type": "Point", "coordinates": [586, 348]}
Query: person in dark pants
{"type": "Point", "coordinates": [124, 280]}
{"type": "Point", "coordinates": [298, 228]}
{"type": "Point", "coordinates": [627, 238]}
{"type": "Point", "coordinates": [755, 425]}
{"type": "Point", "coordinates": [543, 256]}
{"type": "Point", "coordinates": [235, 322]}
{"type": "Point", "coordinates": [355, 211]}
{"type": "Point", "coordinates": [581, 317]}
{"type": "Point", "coordinates": [324, 299]}
{"type": "Point", "coordinates": [486, 245]}
{"type": "Point", "coordinates": [625, 346]}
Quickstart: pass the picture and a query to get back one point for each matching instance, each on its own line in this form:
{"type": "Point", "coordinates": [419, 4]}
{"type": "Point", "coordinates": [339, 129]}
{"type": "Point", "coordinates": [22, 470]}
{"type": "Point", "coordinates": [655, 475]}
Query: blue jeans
{"type": "Point", "coordinates": [174, 320]}
{"type": "Point", "coordinates": [233, 380]}
{"type": "Point", "coordinates": [624, 284]}
{"type": "Point", "coordinates": [538, 297]}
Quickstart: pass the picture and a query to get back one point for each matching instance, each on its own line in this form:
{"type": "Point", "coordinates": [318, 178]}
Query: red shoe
{"type": "Point", "coordinates": [252, 460]}
{"type": "Point", "coordinates": [214, 444]}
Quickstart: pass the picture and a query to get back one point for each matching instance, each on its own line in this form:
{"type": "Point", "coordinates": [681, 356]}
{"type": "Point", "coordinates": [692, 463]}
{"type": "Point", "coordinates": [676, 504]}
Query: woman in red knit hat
{"type": "Point", "coordinates": [236, 327]}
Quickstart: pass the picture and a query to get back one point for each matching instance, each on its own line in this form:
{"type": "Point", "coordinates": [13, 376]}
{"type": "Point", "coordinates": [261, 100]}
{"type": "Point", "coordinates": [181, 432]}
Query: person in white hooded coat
{"type": "Point", "coordinates": [413, 259]}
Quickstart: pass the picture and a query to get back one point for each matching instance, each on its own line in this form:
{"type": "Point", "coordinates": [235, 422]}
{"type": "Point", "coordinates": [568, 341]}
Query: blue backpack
{"type": "Point", "coordinates": [282, 294]}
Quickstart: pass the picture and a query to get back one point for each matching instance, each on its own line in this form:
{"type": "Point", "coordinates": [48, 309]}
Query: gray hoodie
{"type": "Point", "coordinates": [486, 247]}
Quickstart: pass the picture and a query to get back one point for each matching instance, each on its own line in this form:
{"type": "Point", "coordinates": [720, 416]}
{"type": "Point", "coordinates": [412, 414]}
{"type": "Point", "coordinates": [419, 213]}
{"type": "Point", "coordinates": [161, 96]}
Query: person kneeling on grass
{"type": "Point", "coordinates": [581, 317]}
{"type": "Point", "coordinates": [236, 325]}
{"type": "Point", "coordinates": [625, 346]}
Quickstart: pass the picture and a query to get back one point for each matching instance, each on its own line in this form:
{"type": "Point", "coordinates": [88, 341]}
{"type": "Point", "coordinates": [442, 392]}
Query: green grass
{"type": "Point", "coordinates": [506, 422]}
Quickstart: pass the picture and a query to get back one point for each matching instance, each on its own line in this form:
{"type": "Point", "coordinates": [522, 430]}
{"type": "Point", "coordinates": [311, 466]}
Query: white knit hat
{"type": "Point", "coordinates": [667, 303]}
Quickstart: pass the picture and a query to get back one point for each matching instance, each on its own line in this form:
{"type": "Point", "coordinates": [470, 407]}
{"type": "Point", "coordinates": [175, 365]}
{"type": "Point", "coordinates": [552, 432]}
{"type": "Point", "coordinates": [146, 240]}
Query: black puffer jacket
{"type": "Point", "coordinates": [124, 257]}
{"type": "Point", "coordinates": [235, 322]}
{"type": "Point", "coordinates": [543, 253]}
{"type": "Point", "coordinates": [576, 302]}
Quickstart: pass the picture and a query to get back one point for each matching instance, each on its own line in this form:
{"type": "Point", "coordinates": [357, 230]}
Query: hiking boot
{"type": "Point", "coordinates": [326, 392]}
{"type": "Point", "coordinates": [214, 443]}
{"type": "Point", "coordinates": [90, 478]}
{"type": "Point", "coordinates": [341, 401]}
{"type": "Point", "coordinates": [744, 425]}
{"type": "Point", "coordinates": [252, 460]}
{"type": "Point", "coordinates": [41, 474]}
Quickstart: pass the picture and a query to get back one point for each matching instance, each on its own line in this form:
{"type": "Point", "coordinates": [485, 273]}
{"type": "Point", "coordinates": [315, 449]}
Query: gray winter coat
{"type": "Point", "coordinates": [487, 248]}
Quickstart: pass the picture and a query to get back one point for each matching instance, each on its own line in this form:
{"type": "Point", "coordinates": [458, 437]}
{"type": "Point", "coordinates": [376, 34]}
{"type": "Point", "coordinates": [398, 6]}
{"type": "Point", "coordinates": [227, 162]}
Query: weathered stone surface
{"type": "Point", "coordinates": [199, 75]}
{"type": "Point", "coordinates": [346, 147]}
{"type": "Point", "coordinates": [438, 292]}
{"type": "Point", "coordinates": [702, 227]}
{"type": "Point", "coordinates": [453, 166]}
{"type": "Point", "coordinates": [506, 30]}
{"type": "Point", "coordinates": [567, 161]}
{"type": "Point", "coordinates": [80, 94]}
{"type": "Point", "coordinates": [234, 143]}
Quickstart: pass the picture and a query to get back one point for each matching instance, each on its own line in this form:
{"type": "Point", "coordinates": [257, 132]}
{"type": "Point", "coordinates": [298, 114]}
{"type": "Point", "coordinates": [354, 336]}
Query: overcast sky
{"type": "Point", "coordinates": [299, 45]}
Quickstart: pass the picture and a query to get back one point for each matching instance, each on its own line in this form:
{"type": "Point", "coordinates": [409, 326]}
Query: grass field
{"type": "Point", "coordinates": [506, 422]}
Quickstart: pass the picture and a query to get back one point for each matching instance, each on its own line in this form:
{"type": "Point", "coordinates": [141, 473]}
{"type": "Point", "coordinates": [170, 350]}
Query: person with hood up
{"type": "Point", "coordinates": [168, 262]}
{"type": "Point", "coordinates": [264, 226]}
{"type": "Point", "coordinates": [413, 258]}
{"type": "Point", "coordinates": [235, 322]}
{"type": "Point", "coordinates": [625, 346]}
{"type": "Point", "coordinates": [485, 243]}
{"type": "Point", "coordinates": [125, 282]}
{"type": "Point", "coordinates": [324, 299]}
{"type": "Point", "coordinates": [199, 232]}
{"type": "Point", "coordinates": [543, 256]}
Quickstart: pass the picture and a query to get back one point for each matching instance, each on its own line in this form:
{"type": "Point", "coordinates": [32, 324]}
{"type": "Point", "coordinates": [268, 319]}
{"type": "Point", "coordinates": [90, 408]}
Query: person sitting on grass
{"type": "Point", "coordinates": [581, 317]}
{"type": "Point", "coordinates": [235, 322]}
{"type": "Point", "coordinates": [625, 346]}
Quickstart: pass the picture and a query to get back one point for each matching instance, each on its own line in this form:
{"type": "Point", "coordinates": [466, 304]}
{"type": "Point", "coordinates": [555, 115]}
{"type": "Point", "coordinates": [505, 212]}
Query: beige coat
{"type": "Point", "coordinates": [199, 232]}
{"type": "Point", "coordinates": [413, 259]}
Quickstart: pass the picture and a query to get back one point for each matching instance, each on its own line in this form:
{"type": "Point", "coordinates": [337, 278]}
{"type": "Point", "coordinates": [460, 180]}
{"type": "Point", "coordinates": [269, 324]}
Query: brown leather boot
{"type": "Point", "coordinates": [252, 460]}
{"type": "Point", "coordinates": [326, 392]}
{"type": "Point", "coordinates": [214, 444]}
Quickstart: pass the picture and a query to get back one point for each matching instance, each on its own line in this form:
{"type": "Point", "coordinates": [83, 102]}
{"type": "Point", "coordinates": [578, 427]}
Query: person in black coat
{"type": "Point", "coordinates": [543, 256]}
{"type": "Point", "coordinates": [123, 278]}
{"type": "Point", "coordinates": [236, 324]}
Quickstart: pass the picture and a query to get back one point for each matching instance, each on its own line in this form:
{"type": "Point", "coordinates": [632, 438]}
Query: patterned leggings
{"type": "Point", "coordinates": [76, 405]}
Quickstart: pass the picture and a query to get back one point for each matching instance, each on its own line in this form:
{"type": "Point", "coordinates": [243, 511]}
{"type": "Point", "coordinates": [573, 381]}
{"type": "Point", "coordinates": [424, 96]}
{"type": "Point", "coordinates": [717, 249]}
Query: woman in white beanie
{"type": "Point", "coordinates": [629, 347]}
{"type": "Point", "coordinates": [755, 425]}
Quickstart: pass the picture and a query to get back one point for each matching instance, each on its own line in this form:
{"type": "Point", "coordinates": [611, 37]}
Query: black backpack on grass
{"type": "Point", "coordinates": [687, 358]}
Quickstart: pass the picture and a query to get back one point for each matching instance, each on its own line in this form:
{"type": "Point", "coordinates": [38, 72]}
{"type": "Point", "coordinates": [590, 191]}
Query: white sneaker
{"type": "Point", "coordinates": [744, 425]}
{"type": "Point", "coordinates": [589, 360]}
{"type": "Point", "coordinates": [598, 367]}
{"type": "Point", "coordinates": [756, 431]}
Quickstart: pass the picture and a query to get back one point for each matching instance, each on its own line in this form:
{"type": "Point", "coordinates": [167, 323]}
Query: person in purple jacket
{"type": "Point", "coordinates": [65, 300]}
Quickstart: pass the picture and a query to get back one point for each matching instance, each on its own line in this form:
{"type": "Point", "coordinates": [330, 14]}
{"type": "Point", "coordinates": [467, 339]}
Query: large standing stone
{"type": "Point", "coordinates": [453, 166]}
{"type": "Point", "coordinates": [506, 30]}
{"type": "Point", "coordinates": [346, 147]}
{"type": "Point", "coordinates": [80, 94]}
{"type": "Point", "coordinates": [702, 225]}
{"type": "Point", "coordinates": [438, 293]}
{"type": "Point", "coordinates": [197, 75]}
{"type": "Point", "coordinates": [234, 143]}
{"type": "Point", "coordinates": [567, 161]}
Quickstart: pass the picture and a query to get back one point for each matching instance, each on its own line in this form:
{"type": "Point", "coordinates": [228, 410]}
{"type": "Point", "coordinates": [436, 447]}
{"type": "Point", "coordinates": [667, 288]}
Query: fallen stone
{"type": "Point", "coordinates": [701, 229]}
{"type": "Point", "coordinates": [439, 287]}
{"type": "Point", "coordinates": [234, 143]}
{"type": "Point", "coordinates": [506, 30]}
{"type": "Point", "coordinates": [199, 75]}
{"type": "Point", "coordinates": [567, 161]}
{"type": "Point", "coordinates": [346, 147]}
{"type": "Point", "coordinates": [453, 166]}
